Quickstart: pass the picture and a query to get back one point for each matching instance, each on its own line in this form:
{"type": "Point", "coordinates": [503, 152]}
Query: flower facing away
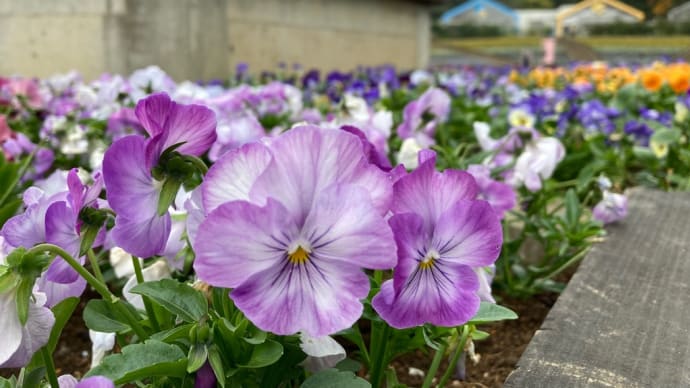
{"type": "Point", "coordinates": [133, 191]}
{"type": "Point", "coordinates": [612, 208]}
{"type": "Point", "coordinates": [20, 341]}
{"type": "Point", "coordinates": [290, 225]}
{"type": "Point", "coordinates": [443, 235]}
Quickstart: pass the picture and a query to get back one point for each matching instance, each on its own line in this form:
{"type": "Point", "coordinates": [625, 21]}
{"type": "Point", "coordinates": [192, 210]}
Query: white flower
{"type": "Point", "coordinates": [419, 77]}
{"type": "Point", "coordinates": [356, 108]}
{"type": "Point", "coordinates": [121, 261]}
{"type": "Point", "coordinates": [408, 153]}
{"type": "Point", "coordinates": [481, 132]}
{"type": "Point", "coordinates": [157, 271]}
{"type": "Point", "coordinates": [102, 343]}
{"type": "Point", "coordinates": [520, 118]}
{"type": "Point", "coordinates": [322, 352]}
{"type": "Point", "coordinates": [537, 162]}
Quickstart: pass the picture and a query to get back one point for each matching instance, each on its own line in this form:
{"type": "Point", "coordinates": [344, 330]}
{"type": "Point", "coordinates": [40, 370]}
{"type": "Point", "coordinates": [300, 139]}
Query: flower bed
{"type": "Point", "coordinates": [273, 215]}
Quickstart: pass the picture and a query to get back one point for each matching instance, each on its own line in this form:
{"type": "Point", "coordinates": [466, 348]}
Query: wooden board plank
{"type": "Point", "coordinates": [624, 319]}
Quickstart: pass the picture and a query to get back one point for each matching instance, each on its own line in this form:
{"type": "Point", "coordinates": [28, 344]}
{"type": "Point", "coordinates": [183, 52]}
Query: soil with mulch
{"type": "Point", "coordinates": [498, 354]}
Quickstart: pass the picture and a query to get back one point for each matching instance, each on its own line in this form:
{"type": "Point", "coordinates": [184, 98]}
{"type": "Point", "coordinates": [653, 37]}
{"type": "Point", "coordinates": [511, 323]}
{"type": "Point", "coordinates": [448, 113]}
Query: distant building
{"type": "Point", "coordinates": [205, 39]}
{"type": "Point", "coordinates": [481, 12]}
{"type": "Point", "coordinates": [576, 18]}
{"type": "Point", "coordinates": [536, 21]}
{"type": "Point", "coordinates": [680, 13]}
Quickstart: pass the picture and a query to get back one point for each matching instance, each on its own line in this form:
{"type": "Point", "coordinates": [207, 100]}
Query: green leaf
{"type": "Point", "coordinates": [666, 136]}
{"type": "Point", "coordinates": [23, 299]}
{"type": "Point", "coordinates": [8, 383]}
{"type": "Point", "coordinates": [8, 209]}
{"type": "Point", "coordinates": [216, 362]}
{"type": "Point", "coordinates": [348, 365]}
{"type": "Point", "coordinates": [332, 378]}
{"type": "Point", "coordinates": [173, 334]}
{"type": "Point", "coordinates": [196, 358]}
{"type": "Point", "coordinates": [176, 297]}
{"type": "Point", "coordinates": [100, 315]}
{"type": "Point", "coordinates": [140, 361]}
{"type": "Point", "coordinates": [479, 335]}
{"type": "Point", "coordinates": [572, 208]}
{"type": "Point", "coordinates": [264, 354]}
{"type": "Point", "coordinates": [490, 312]}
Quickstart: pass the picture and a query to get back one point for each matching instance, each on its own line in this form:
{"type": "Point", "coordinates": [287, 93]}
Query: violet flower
{"type": "Point", "coordinates": [423, 115]}
{"type": "Point", "coordinates": [290, 226]}
{"type": "Point", "coordinates": [133, 192]}
{"type": "Point", "coordinates": [612, 208]}
{"type": "Point", "coordinates": [500, 196]}
{"type": "Point", "coordinates": [443, 234]}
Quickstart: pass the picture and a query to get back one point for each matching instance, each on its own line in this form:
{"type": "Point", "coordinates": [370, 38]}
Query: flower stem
{"type": "Point", "coordinates": [100, 287]}
{"type": "Point", "coordinates": [147, 303]}
{"type": "Point", "coordinates": [50, 367]}
{"type": "Point", "coordinates": [459, 351]}
{"type": "Point", "coordinates": [378, 352]}
{"type": "Point", "coordinates": [440, 352]}
{"type": "Point", "coordinates": [94, 265]}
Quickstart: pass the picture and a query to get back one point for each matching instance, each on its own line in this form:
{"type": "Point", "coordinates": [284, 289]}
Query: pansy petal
{"type": "Point", "coordinates": [131, 190]}
{"type": "Point", "coordinates": [10, 326]}
{"type": "Point", "coordinates": [440, 295]}
{"type": "Point", "coordinates": [34, 336]}
{"type": "Point", "coordinates": [429, 193]}
{"type": "Point", "coordinates": [233, 175]}
{"type": "Point", "coordinates": [143, 237]}
{"type": "Point", "coordinates": [152, 112]}
{"type": "Point", "coordinates": [240, 239]}
{"type": "Point", "coordinates": [469, 233]}
{"type": "Point", "coordinates": [96, 382]}
{"type": "Point", "coordinates": [193, 125]}
{"type": "Point", "coordinates": [344, 225]}
{"type": "Point", "coordinates": [316, 297]}
{"type": "Point", "coordinates": [308, 159]}
{"type": "Point", "coordinates": [57, 292]}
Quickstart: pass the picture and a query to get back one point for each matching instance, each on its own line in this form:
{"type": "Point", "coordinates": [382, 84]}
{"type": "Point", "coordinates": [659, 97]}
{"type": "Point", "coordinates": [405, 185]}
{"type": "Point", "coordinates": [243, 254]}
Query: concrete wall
{"type": "Point", "coordinates": [193, 39]}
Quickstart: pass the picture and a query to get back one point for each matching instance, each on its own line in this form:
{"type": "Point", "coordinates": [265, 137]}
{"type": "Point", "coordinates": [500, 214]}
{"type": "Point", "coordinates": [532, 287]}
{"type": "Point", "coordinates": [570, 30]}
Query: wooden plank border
{"type": "Point", "coordinates": [624, 319]}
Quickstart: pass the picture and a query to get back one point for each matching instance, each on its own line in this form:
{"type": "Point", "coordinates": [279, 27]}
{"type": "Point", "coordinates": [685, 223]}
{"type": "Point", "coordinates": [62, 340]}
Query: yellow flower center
{"type": "Point", "coordinates": [298, 256]}
{"type": "Point", "coordinates": [428, 260]}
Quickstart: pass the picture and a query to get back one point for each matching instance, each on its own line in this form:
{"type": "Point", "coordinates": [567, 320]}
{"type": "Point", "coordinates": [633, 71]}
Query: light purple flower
{"type": "Point", "coordinates": [68, 381]}
{"type": "Point", "coordinates": [500, 196]}
{"type": "Point", "coordinates": [132, 191]}
{"type": "Point", "coordinates": [612, 208]}
{"type": "Point", "coordinates": [290, 226]}
{"type": "Point", "coordinates": [422, 116]}
{"type": "Point", "coordinates": [443, 234]}
{"type": "Point", "coordinates": [21, 342]}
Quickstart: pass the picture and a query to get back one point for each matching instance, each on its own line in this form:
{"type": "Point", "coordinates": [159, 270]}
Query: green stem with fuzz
{"type": "Point", "coordinates": [147, 303]}
{"type": "Point", "coordinates": [50, 368]}
{"type": "Point", "coordinates": [434, 365]}
{"type": "Point", "coordinates": [453, 362]}
{"type": "Point", "coordinates": [100, 287]}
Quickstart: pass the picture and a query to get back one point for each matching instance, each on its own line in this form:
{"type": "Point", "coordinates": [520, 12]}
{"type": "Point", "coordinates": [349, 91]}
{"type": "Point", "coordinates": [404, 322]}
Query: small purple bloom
{"type": "Point", "coordinates": [442, 234]}
{"type": "Point", "coordinates": [132, 191]}
{"type": "Point", "coordinates": [423, 115]}
{"type": "Point", "coordinates": [612, 208]}
{"type": "Point", "coordinates": [500, 196]}
{"type": "Point", "coordinates": [290, 226]}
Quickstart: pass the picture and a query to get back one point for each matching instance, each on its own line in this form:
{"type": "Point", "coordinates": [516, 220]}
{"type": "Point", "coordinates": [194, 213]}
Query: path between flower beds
{"type": "Point", "coordinates": [623, 319]}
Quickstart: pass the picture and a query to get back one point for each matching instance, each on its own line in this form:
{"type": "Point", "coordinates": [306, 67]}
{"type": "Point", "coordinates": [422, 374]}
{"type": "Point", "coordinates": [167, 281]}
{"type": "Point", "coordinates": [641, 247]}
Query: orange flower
{"type": "Point", "coordinates": [652, 80]}
{"type": "Point", "coordinates": [679, 78]}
